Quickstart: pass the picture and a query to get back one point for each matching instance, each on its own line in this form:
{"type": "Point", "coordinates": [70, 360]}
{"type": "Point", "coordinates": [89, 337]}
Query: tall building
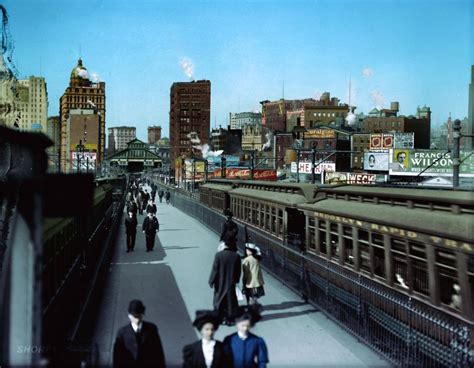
{"type": "Point", "coordinates": [119, 137]}
{"type": "Point", "coordinates": [237, 120]}
{"type": "Point", "coordinates": [82, 93]}
{"type": "Point", "coordinates": [54, 133]}
{"type": "Point", "coordinates": [83, 133]}
{"type": "Point", "coordinates": [470, 120]}
{"type": "Point", "coordinates": [154, 134]}
{"type": "Point", "coordinates": [228, 140]}
{"type": "Point", "coordinates": [190, 111]}
{"type": "Point", "coordinates": [33, 96]}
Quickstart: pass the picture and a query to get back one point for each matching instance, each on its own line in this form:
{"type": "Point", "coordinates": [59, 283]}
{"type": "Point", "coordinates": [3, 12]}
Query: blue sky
{"type": "Point", "coordinates": [414, 52]}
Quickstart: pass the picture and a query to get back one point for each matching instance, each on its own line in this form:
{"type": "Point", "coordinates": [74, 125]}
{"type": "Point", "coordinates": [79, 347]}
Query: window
{"type": "Point", "coordinates": [322, 237]}
{"type": "Point", "coordinates": [447, 278]}
{"type": "Point", "coordinates": [378, 255]}
{"type": "Point", "coordinates": [364, 252]}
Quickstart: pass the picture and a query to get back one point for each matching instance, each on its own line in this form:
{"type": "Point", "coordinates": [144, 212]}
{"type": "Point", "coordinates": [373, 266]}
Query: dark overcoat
{"type": "Point", "coordinates": [131, 225]}
{"type": "Point", "coordinates": [193, 357]}
{"type": "Point", "coordinates": [225, 274]}
{"type": "Point", "coordinates": [128, 352]}
{"type": "Point", "coordinates": [229, 233]}
{"type": "Point", "coordinates": [150, 227]}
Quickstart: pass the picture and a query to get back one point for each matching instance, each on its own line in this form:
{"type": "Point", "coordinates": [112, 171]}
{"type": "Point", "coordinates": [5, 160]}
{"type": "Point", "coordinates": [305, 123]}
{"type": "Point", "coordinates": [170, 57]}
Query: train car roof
{"type": "Point", "coordinates": [286, 199]}
{"type": "Point", "coordinates": [438, 223]}
{"type": "Point", "coordinates": [220, 187]}
{"type": "Point", "coordinates": [437, 195]}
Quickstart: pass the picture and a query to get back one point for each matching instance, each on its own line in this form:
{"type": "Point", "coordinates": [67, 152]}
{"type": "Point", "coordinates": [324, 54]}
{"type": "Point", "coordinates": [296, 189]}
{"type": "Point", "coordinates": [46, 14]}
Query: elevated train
{"type": "Point", "coordinates": [414, 247]}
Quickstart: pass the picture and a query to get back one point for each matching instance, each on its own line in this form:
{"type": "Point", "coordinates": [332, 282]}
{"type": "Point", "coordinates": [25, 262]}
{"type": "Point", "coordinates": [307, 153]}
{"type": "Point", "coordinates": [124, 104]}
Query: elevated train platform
{"type": "Point", "coordinates": [172, 282]}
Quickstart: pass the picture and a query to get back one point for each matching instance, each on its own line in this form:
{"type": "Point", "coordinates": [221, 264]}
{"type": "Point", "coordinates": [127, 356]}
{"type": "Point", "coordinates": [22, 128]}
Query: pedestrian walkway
{"type": "Point", "coordinates": [172, 283]}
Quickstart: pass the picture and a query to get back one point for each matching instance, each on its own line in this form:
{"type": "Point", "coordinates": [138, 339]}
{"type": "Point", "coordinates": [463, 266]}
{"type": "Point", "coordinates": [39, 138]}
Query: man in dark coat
{"type": "Point", "coordinates": [225, 275]}
{"type": "Point", "coordinates": [150, 227]}
{"type": "Point", "coordinates": [138, 344]}
{"type": "Point", "coordinates": [132, 207]}
{"type": "Point", "coordinates": [151, 207]}
{"type": "Point", "coordinates": [168, 196]}
{"type": "Point", "coordinates": [131, 231]}
{"type": "Point", "coordinates": [229, 231]}
{"type": "Point", "coordinates": [160, 195]}
{"type": "Point", "coordinates": [145, 199]}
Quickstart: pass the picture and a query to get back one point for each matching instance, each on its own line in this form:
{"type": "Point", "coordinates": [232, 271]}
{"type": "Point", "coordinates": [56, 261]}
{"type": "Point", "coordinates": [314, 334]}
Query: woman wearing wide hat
{"type": "Point", "coordinates": [207, 352]}
{"type": "Point", "coordinates": [252, 278]}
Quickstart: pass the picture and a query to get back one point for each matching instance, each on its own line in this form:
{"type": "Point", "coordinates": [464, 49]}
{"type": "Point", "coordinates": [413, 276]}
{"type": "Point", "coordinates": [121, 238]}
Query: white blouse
{"type": "Point", "coordinates": [208, 350]}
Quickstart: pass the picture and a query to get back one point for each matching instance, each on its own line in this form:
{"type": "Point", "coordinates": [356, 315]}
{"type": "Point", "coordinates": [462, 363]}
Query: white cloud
{"type": "Point", "coordinates": [367, 72]}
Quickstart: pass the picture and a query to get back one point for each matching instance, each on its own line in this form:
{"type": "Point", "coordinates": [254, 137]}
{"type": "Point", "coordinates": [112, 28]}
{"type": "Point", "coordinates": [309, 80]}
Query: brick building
{"type": "Point", "coordinates": [82, 93]}
{"type": "Point", "coordinates": [154, 134]}
{"type": "Point", "coordinates": [190, 111]}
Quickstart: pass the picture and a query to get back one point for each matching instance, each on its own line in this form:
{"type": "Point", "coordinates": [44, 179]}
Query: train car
{"type": "Point", "coordinates": [70, 251]}
{"type": "Point", "coordinates": [395, 266]}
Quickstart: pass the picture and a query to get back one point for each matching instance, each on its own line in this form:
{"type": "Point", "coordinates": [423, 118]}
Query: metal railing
{"type": "Point", "coordinates": [403, 330]}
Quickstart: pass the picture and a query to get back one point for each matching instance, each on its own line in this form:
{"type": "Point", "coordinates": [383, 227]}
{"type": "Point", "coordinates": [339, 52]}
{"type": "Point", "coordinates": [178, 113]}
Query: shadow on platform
{"type": "Point", "coordinates": [283, 305]}
{"type": "Point", "coordinates": [269, 317]}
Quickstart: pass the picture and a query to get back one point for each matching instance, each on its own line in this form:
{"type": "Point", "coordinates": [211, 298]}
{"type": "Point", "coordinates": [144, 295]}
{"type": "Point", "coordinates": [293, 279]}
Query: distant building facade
{"type": "Point", "coordinates": [228, 140]}
{"type": "Point", "coordinates": [10, 104]}
{"type": "Point", "coordinates": [190, 111]}
{"type": "Point", "coordinates": [54, 133]}
{"type": "Point", "coordinates": [387, 120]}
{"type": "Point", "coordinates": [280, 116]}
{"type": "Point", "coordinates": [34, 104]}
{"type": "Point", "coordinates": [154, 134]}
{"type": "Point", "coordinates": [239, 119]}
{"type": "Point", "coordinates": [119, 137]}
{"type": "Point", "coordinates": [360, 142]}
{"type": "Point", "coordinates": [82, 93]}
{"type": "Point", "coordinates": [252, 137]}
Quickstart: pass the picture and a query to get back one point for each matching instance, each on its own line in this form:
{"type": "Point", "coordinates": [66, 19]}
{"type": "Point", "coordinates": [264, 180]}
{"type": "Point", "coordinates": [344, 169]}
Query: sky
{"type": "Point", "coordinates": [416, 52]}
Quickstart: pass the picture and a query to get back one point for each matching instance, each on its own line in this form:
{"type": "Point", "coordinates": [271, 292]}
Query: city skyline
{"type": "Point", "coordinates": [391, 52]}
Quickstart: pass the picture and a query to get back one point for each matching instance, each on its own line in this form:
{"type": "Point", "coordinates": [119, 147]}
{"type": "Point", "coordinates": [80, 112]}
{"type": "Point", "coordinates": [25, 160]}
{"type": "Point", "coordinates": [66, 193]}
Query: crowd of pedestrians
{"type": "Point", "coordinates": [138, 344]}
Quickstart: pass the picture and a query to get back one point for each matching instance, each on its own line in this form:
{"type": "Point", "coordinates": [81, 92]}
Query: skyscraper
{"type": "Point", "coordinates": [33, 96]}
{"type": "Point", "coordinates": [470, 121]}
{"type": "Point", "coordinates": [190, 111]}
{"type": "Point", "coordinates": [82, 93]}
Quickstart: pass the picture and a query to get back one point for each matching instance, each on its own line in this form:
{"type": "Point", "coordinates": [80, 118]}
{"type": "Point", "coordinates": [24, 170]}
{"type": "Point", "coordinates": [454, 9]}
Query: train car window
{"type": "Point", "coordinates": [364, 251]}
{"type": "Point", "coordinates": [470, 276]}
{"type": "Point", "coordinates": [280, 222]}
{"type": "Point", "coordinates": [449, 289]}
{"type": "Point", "coordinates": [311, 233]}
{"type": "Point", "coordinates": [379, 255]}
{"type": "Point", "coordinates": [348, 256]}
{"type": "Point", "coordinates": [334, 245]}
{"type": "Point", "coordinates": [419, 272]}
{"type": "Point", "coordinates": [274, 220]}
{"type": "Point", "coordinates": [322, 237]}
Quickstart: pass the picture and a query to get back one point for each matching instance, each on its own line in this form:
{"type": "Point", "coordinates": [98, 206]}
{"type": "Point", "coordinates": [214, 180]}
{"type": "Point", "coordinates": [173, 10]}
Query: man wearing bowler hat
{"type": "Point", "coordinates": [138, 344]}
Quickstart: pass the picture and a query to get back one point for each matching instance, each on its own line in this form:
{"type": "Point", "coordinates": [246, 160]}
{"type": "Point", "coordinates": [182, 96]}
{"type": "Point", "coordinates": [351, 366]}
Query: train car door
{"type": "Point", "coordinates": [296, 228]}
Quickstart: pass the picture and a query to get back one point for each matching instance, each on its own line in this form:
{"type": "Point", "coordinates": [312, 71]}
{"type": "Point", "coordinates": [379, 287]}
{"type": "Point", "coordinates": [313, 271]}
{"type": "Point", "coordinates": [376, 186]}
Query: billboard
{"type": "Point", "coordinates": [85, 160]}
{"type": "Point", "coordinates": [305, 167]}
{"type": "Point", "coordinates": [197, 171]}
{"type": "Point", "coordinates": [404, 140]}
{"type": "Point", "coordinates": [244, 173]}
{"type": "Point", "coordinates": [353, 178]}
{"type": "Point", "coordinates": [431, 162]}
{"type": "Point", "coordinates": [376, 161]}
{"type": "Point", "coordinates": [381, 142]}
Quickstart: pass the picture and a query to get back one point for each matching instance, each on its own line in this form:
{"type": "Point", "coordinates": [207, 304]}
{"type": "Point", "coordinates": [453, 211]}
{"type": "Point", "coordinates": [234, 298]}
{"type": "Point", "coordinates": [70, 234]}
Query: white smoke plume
{"type": "Point", "coordinates": [187, 66]}
{"type": "Point", "coordinates": [377, 98]}
{"type": "Point", "coordinates": [204, 148]}
{"type": "Point", "coordinates": [317, 94]}
{"type": "Point", "coordinates": [351, 118]}
{"type": "Point", "coordinates": [92, 104]}
{"type": "Point", "coordinates": [367, 72]}
{"type": "Point", "coordinates": [82, 73]}
{"type": "Point", "coordinates": [95, 77]}
{"type": "Point", "coordinates": [268, 143]}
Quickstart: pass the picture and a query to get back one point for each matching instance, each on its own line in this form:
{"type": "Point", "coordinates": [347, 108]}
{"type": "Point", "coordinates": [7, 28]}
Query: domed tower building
{"type": "Point", "coordinates": [82, 117]}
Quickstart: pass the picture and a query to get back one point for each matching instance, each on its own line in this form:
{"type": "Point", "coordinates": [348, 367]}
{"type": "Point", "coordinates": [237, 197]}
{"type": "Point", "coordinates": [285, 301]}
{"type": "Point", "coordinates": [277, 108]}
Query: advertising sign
{"type": "Point", "coordinates": [197, 171]}
{"type": "Point", "coordinates": [244, 173]}
{"type": "Point", "coordinates": [305, 167]}
{"type": "Point", "coordinates": [319, 133]}
{"type": "Point", "coordinates": [353, 178]}
{"type": "Point", "coordinates": [85, 160]}
{"type": "Point", "coordinates": [381, 142]}
{"type": "Point", "coordinates": [432, 162]}
{"type": "Point", "coordinates": [376, 161]}
{"type": "Point", "coordinates": [404, 140]}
